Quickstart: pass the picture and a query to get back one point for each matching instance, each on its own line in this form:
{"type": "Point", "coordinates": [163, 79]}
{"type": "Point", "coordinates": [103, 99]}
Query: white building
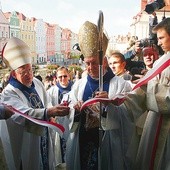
{"type": "Point", "coordinates": [40, 40]}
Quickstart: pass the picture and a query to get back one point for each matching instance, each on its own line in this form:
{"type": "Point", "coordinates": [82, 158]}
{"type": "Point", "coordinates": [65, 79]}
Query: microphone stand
{"type": "Point", "coordinates": [100, 30]}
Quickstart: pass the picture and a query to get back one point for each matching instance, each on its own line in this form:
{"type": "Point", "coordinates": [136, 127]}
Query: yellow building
{"type": "Point", "coordinates": [28, 34]}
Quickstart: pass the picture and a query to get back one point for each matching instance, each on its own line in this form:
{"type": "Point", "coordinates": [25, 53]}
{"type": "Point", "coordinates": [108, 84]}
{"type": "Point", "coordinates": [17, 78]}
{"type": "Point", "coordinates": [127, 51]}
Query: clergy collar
{"type": "Point", "coordinates": [15, 83]}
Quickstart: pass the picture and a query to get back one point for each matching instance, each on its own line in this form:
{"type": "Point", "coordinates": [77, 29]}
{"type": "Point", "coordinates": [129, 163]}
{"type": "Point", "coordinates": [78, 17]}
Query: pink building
{"type": "Point", "coordinates": [50, 41]}
{"type": "Point", "coordinates": [66, 43]}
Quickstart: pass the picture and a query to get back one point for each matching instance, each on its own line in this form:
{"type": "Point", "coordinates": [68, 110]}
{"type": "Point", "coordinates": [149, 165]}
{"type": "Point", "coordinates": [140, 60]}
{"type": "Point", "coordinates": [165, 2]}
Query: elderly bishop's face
{"type": "Point", "coordinates": [24, 74]}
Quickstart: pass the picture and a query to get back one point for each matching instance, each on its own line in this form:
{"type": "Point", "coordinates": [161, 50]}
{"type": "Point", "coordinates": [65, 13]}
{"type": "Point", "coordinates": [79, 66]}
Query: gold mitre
{"type": "Point", "coordinates": [89, 40]}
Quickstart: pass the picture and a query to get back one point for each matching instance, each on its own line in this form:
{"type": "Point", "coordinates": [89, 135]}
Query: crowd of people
{"type": "Point", "coordinates": [126, 127]}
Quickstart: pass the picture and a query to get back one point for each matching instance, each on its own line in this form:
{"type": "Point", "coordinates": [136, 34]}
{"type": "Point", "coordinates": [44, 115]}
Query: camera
{"type": "Point", "coordinates": [136, 70]}
{"type": "Point", "coordinates": [146, 42]}
{"type": "Point", "coordinates": [143, 43]}
{"type": "Point", "coordinates": [156, 5]}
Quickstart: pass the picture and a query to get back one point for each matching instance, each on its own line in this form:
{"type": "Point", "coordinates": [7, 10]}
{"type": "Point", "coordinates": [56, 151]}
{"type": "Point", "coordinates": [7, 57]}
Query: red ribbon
{"type": "Point", "coordinates": [55, 126]}
{"type": "Point", "coordinates": [119, 99]}
{"type": "Point", "coordinates": [153, 72]}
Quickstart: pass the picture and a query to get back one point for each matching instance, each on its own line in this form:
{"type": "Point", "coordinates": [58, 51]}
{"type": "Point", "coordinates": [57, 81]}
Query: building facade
{"type": "Point", "coordinates": [14, 23]}
{"type": "Point", "coordinates": [4, 32]}
{"type": "Point", "coordinates": [48, 42]}
{"type": "Point", "coordinates": [40, 41]}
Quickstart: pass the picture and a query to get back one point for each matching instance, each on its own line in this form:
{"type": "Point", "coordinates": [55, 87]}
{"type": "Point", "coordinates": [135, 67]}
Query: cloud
{"type": "Point", "coordinates": [63, 6]}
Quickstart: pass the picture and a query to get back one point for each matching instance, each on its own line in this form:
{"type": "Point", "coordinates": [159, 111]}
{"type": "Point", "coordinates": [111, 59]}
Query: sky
{"type": "Point", "coordinates": [72, 14]}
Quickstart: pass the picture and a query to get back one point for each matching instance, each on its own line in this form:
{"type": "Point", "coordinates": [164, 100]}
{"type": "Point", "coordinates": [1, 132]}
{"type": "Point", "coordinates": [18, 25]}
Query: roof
{"type": "Point", "coordinates": [3, 18]}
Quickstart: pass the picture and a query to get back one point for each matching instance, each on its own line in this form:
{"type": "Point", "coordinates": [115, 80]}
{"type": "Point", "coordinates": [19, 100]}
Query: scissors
{"type": "Point", "coordinates": [66, 102]}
